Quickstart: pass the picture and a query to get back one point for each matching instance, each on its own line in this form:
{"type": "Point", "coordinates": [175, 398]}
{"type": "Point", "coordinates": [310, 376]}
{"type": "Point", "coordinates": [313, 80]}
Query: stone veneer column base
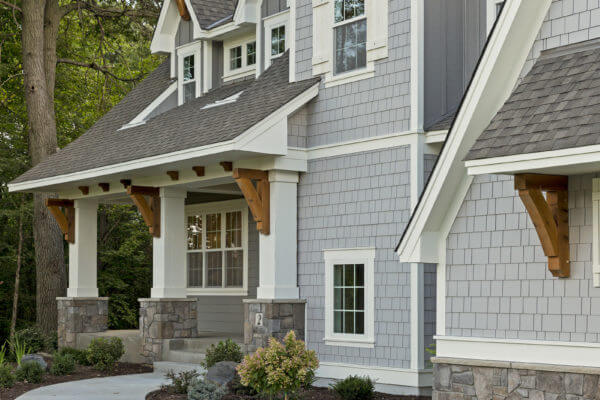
{"type": "Point", "coordinates": [278, 318]}
{"type": "Point", "coordinates": [80, 315]}
{"type": "Point", "coordinates": [162, 319]}
{"type": "Point", "coordinates": [466, 379]}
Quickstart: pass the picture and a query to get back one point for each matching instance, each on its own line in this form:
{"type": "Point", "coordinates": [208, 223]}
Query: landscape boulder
{"type": "Point", "coordinates": [35, 358]}
{"type": "Point", "coordinates": [222, 372]}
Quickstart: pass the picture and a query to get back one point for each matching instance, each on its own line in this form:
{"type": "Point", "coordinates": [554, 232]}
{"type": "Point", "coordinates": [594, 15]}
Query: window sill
{"type": "Point", "coordinates": [350, 342]}
{"type": "Point", "coordinates": [217, 292]}
{"type": "Point", "coordinates": [351, 76]}
{"type": "Point", "coordinates": [239, 73]}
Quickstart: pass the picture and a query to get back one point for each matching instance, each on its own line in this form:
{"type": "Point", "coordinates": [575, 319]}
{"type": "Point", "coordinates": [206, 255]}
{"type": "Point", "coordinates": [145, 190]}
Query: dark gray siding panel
{"type": "Point", "coordinates": [169, 103]}
{"type": "Point", "coordinates": [217, 64]}
{"type": "Point", "coordinates": [270, 7]}
{"type": "Point", "coordinates": [184, 33]}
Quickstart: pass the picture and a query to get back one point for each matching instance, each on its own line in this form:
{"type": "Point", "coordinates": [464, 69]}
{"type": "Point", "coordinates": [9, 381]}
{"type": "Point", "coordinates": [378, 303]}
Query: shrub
{"type": "Point", "coordinates": [103, 353]}
{"type": "Point", "coordinates": [235, 387]}
{"type": "Point", "coordinates": [280, 367]}
{"type": "Point", "coordinates": [62, 364]}
{"type": "Point", "coordinates": [201, 390]}
{"type": "Point", "coordinates": [34, 339]}
{"type": "Point", "coordinates": [223, 351]}
{"type": "Point", "coordinates": [3, 354]}
{"type": "Point", "coordinates": [355, 388]}
{"type": "Point", "coordinates": [180, 382]}
{"type": "Point", "coordinates": [7, 378]}
{"type": "Point", "coordinates": [30, 372]}
{"type": "Point", "coordinates": [80, 356]}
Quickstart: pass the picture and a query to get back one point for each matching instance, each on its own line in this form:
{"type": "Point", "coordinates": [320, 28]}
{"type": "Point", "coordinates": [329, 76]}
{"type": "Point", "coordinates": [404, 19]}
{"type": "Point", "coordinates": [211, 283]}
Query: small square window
{"type": "Point", "coordinates": [251, 53]}
{"type": "Point", "coordinates": [278, 40]}
{"type": "Point", "coordinates": [348, 9]}
{"type": "Point", "coordinates": [235, 58]}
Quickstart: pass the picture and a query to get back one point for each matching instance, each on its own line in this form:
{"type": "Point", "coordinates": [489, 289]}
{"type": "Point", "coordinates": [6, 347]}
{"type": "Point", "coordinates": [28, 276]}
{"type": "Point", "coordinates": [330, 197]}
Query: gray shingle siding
{"type": "Point", "coordinates": [357, 200]}
{"type": "Point", "coordinates": [369, 107]}
{"type": "Point", "coordinates": [498, 284]}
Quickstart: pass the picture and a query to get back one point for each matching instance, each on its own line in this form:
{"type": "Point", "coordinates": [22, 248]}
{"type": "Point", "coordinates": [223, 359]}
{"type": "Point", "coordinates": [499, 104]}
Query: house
{"type": "Point", "coordinates": [276, 156]}
{"type": "Point", "coordinates": [510, 215]}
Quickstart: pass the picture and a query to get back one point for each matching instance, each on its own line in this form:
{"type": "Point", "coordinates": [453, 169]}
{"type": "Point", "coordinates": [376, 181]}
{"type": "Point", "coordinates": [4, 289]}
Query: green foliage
{"type": "Point", "coordinates": [103, 353]}
{"type": "Point", "coordinates": [431, 351]}
{"type": "Point", "coordinates": [34, 339]}
{"type": "Point", "coordinates": [30, 372]}
{"type": "Point", "coordinates": [80, 356]}
{"type": "Point", "coordinates": [3, 354]}
{"type": "Point", "coordinates": [223, 351]}
{"type": "Point", "coordinates": [7, 378]}
{"type": "Point", "coordinates": [181, 381]}
{"type": "Point", "coordinates": [19, 348]}
{"type": "Point", "coordinates": [355, 388]}
{"type": "Point", "coordinates": [201, 390]}
{"type": "Point", "coordinates": [62, 364]}
{"type": "Point", "coordinates": [235, 386]}
{"type": "Point", "coordinates": [280, 367]}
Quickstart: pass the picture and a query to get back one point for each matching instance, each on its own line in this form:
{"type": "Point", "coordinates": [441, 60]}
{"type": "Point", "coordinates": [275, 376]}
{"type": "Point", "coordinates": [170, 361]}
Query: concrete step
{"type": "Point", "coordinates": [199, 344]}
{"type": "Point", "coordinates": [184, 356]}
{"type": "Point", "coordinates": [163, 367]}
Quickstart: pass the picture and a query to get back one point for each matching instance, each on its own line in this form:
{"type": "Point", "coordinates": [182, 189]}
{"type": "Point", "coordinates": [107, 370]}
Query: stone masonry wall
{"type": "Point", "coordinates": [276, 319]}
{"type": "Point", "coordinates": [162, 319]}
{"type": "Point", "coordinates": [458, 382]}
{"type": "Point", "coordinates": [80, 315]}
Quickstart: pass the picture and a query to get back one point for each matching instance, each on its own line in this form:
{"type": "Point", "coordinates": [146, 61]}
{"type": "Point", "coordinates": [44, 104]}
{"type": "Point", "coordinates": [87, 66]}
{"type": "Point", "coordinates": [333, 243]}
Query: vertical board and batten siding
{"type": "Point", "coordinates": [271, 7]}
{"type": "Point", "coordinates": [185, 33]}
{"type": "Point", "coordinates": [357, 200]}
{"type": "Point", "coordinates": [498, 283]}
{"type": "Point", "coordinates": [217, 64]}
{"type": "Point", "coordinates": [366, 108]}
{"type": "Point", "coordinates": [455, 33]}
{"type": "Point", "coordinates": [225, 314]}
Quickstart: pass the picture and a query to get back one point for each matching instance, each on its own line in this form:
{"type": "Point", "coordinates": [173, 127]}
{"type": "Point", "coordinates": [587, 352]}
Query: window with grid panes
{"type": "Point", "coordinates": [349, 298]}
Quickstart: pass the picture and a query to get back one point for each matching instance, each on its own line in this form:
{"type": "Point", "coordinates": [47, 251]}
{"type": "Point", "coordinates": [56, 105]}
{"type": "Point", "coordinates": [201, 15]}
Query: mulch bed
{"type": "Point", "coordinates": [312, 394]}
{"type": "Point", "coordinates": [81, 372]}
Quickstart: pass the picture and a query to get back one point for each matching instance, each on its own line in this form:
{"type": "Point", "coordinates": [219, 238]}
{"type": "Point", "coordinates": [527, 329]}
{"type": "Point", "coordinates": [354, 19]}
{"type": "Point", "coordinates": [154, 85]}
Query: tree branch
{"type": "Point", "coordinates": [108, 12]}
{"type": "Point", "coordinates": [99, 68]}
{"type": "Point", "coordinates": [11, 5]}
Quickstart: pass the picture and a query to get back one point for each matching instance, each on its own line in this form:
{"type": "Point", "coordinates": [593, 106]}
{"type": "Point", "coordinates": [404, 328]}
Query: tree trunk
{"type": "Point", "coordinates": [51, 278]}
{"type": "Point", "coordinates": [13, 321]}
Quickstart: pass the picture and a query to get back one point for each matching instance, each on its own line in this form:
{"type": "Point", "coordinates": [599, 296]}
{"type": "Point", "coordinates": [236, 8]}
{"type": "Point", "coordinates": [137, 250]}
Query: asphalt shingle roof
{"type": "Point", "coordinates": [212, 13]}
{"type": "Point", "coordinates": [184, 127]}
{"type": "Point", "coordinates": [443, 124]}
{"type": "Point", "coordinates": [556, 106]}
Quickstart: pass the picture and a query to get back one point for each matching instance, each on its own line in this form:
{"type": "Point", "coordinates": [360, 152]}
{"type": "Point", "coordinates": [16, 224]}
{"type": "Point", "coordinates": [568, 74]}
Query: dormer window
{"type": "Point", "coordinates": [277, 41]}
{"type": "Point", "coordinates": [350, 31]}
{"type": "Point", "coordinates": [275, 44]}
{"type": "Point", "coordinates": [189, 79]}
{"type": "Point", "coordinates": [235, 58]}
{"type": "Point", "coordinates": [188, 72]}
{"type": "Point", "coordinates": [251, 53]}
{"type": "Point", "coordinates": [240, 57]}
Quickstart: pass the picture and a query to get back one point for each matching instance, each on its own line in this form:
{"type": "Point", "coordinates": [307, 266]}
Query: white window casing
{"type": "Point", "coordinates": [492, 13]}
{"type": "Point", "coordinates": [220, 208]}
{"type": "Point", "coordinates": [376, 12]}
{"type": "Point", "coordinates": [365, 256]}
{"type": "Point", "coordinates": [596, 231]}
{"type": "Point", "coordinates": [195, 49]}
{"type": "Point", "coordinates": [245, 70]}
{"type": "Point", "coordinates": [271, 22]}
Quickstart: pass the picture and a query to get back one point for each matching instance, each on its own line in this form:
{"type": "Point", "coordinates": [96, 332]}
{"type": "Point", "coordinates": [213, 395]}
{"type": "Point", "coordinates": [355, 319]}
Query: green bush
{"type": "Point", "coordinates": [235, 386]}
{"type": "Point", "coordinates": [30, 372]}
{"type": "Point", "coordinates": [62, 364]}
{"type": "Point", "coordinates": [80, 356]}
{"type": "Point", "coordinates": [180, 382]}
{"type": "Point", "coordinates": [34, 339]}
{"type": "Point", "coordinates": [201, 390]}
{"type": "Point", "coordinates": [355, 388]}
{"type": "Point", "coordinates": [280, 367]}
{"type": "Point", "coordinates": [103, 353]}
{"type": "Point", "coordinates": [223, 351]}
{"type": "Point", "coordinates": [7, 378]}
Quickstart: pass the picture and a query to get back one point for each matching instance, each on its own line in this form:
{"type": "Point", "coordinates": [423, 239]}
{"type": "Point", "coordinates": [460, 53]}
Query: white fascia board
{"type": "Point", "coordinates": [492, 83]}
{"type": "Point", "coordinates": [433, 137]}
{"type": "Point", "coordinates": [240, 143]}
{"type": "Point", "coordinates": [586, 158]}
{"type": "Point", "coordinates": [163, 39]}
{"type": "Point", "coordinates": [141, 117]}
{"type": "Point", "coordinates": [381, 375]}
{"type": "Point", "coordinates": [578, 354]}
{"type": "Point", "coordinates": [246, 12]}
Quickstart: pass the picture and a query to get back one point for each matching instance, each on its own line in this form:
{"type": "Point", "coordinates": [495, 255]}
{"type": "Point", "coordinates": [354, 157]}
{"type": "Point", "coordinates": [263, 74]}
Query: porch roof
{"type": "Point", "coordinates": [189, 126]}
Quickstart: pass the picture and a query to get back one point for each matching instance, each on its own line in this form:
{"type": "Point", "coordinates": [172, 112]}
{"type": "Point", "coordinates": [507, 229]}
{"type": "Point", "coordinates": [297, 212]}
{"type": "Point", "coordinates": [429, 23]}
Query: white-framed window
{"type": "Point", "coordinates": [349, 297]}
{"type": "Point", "coordinates": [596, 231]}
{"type": "Point", "coordinates": [492, 12]}
{"type": "Point", "coordinates": [188, 72]}
{"type": "Point", "coordinates": [276, 31]}
{"type": "Point", "coordinates": [217, 248]}
{"type": "Point", "coordinates": [238, 62]}
{"type": "Point", "coordinates": [350, 35]}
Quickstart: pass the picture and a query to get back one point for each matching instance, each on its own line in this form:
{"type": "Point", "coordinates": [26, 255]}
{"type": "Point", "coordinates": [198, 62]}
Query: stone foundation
{"type": "Point", "coordinates": [80, 315]}
{"type": "Point", "coordinates": [484, 380]}
{"type": "Point", "coordinates": [271, 318]}
{"type": "Point", "coordinates": [162, 319]}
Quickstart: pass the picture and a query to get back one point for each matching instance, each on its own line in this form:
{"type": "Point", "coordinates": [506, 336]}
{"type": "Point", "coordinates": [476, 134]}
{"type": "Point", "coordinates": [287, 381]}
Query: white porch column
{"type": "Point", "coordinates": [278, 271]}
{"type": "Point", "coordinates": [168, 263]}
{"type": "Point", "coordinates": [83, 253]}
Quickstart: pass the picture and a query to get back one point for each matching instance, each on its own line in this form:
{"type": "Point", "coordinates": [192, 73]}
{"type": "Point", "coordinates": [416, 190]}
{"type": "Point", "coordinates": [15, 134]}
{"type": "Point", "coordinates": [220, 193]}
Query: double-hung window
{"type": "Point", "coordinates": [277, 41]}
{"type": "Point", "coordinates": [350, 35]}
{"type": "Point", "coordinates": [349, 297]}
{"type": "Point", "coordinates": [217, 247]}
{"type": "Point", "coordinates": [235, 58]}
{"type": "Point", "coordinates": [189, 78]}
{"type": "Point", "coordinates": [251, 53]}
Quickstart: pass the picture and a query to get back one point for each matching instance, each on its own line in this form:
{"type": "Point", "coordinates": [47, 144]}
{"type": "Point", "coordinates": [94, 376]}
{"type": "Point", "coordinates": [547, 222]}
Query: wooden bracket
{"type": "Point", "coordinates": [549, 215]}
{"type": "Point", "coordinates": [66, 218]}
{"type": "Point", "coordinates": [227, 166]}
{"type": "Point", "coordinates": [183, 11]}
{"type": "Point", "coordinates": [174, 175]}
{"type": "Point", "coordinates": [125, 182]}
{"type": "Point", "coordinates": [104, 186]}
{"type": "Point", "coordinates": [198, 170]}
{"type": "Point", "coordinates": [150, 211]}
{"type": "Point", "coordinates": [85, 190]}
{"type": "Point", "coordinates": [258, 198]}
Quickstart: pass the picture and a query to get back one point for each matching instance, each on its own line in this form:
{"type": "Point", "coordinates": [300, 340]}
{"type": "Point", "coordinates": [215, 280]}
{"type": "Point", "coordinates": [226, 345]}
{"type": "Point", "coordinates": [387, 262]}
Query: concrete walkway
{"type": "Point", "coordinates": [124, 387]}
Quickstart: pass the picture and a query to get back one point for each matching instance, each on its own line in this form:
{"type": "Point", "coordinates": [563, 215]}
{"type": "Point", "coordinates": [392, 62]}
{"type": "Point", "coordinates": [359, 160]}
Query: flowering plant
{"type": "Point", "coordinates": [280, 367]}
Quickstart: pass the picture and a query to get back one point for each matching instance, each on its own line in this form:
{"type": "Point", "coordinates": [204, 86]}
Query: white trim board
{"type": "Point", "coordinates": [524, 351]}
{"type": "Point", "coordinates": [382, 375]}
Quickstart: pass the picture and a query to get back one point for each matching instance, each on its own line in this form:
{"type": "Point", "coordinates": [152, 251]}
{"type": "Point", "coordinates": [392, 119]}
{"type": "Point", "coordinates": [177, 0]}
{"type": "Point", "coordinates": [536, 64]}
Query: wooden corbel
{"type": "Point", "coordinates": [150, 211]}
{"type": "Point", "coordinates": [550, 216]}
{"type": "Point", "coordinates": [183, 11]}
{"type": "Point", "coordinates": [199, 170]}
{"type": "Point", "coordinates": [258, 197]}
{"type": "Point", "coordinates": [174, 175]}
{"type": "Point", "coordinates": [227, 166]}
{"type": "Point", "coordinates": [65, 217]}
{"type": "Point", "coordinates": [125, 182]}
{"type": "Point", "coordinates": [104, 186]}
{"type": "Point", "coordinates": [85, 190]}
